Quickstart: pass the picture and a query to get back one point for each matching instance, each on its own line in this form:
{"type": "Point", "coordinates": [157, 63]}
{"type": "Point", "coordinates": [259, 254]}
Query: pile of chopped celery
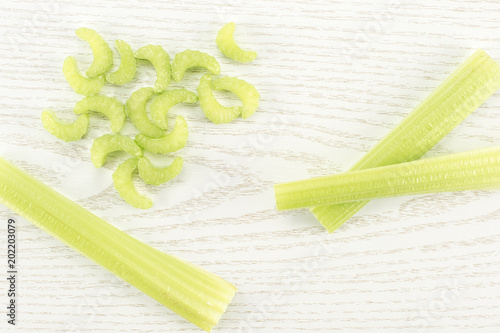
{"type": "Point", "coordinates": [153, 135]}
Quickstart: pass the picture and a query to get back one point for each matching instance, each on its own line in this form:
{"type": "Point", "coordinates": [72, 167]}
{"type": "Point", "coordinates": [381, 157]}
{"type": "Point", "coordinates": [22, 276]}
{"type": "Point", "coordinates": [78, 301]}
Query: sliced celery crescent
{"type": "Point", "coordinates": [153, 175]}
{"type": "Point", "coordinates": [122, 180]}
{"type": "Point", "coordinates": [195, 294]}
{"type": "Point", "coordinates": [160, 61]}
{"type": "Point", "coordinates": [169, 143]}
{"type": "Point", "coordinates": [111, 107]}
{"type": "Point", "coordinates": [164, 102]}
{"type": "Point", "coordinates": [136, 110]}
{"type": "Point", "coordinates": [103, 56]}
{"type": "Point", "coordinates": [128, 65]}
{"type": "Point", "coordinates": [81, 84]}
{"type": "Point", "coordinates": [474, 170]}
{"type": "Point", "coordinates": [108, 143]}
{"type": "Point", "coordinates": [228, 47]}
{"type": "Point", "coordinates": [213, 110]}
{"type": "Point", "coordinates": [463, 92]}
{"type": "Point", "coordinates": [244, 90]}
{"type": "Point", "coordinates": [189, 59]}
{"type": "Point", "coordinates": [66, 132]}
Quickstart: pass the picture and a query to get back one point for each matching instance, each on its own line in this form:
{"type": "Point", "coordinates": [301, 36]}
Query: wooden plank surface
{"type": "Point", "coordinates": [334, 77]}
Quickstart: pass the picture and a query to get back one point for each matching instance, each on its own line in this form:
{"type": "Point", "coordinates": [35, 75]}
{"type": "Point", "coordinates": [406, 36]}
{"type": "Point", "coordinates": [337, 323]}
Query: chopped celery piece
{"type": "Point", "coordinates": [103, 56]}
{"type": "Point", "coordinates": [474, 170]}
{"type": "Point", "coordinates": [213, 110]}
{"type": "Point", "coordinates": [164, 102]}
{"type": "Point", "coordinates": [153, 175]}
{"type": "Point", "coordinates": [228, 47]}
{"type": "Point", "coordinates": [136, 110]}
{"type": "Point", "coordinates": [244, 90]}
{"type": "Point", "coordinates": [197, 295]}
{"type": "Point", "coordinates": [188, 59]}
{"type": "Point", "coordinates": [169, 143]}
{"type": "Point", "coordinates": [122, 180]}
{"type": "Point", "coordinates": [457, 97]}
{"type": "Point", "coordinates": [111, 107]}
{"type": "Point", "coordinates": [160, 61]}
{"type": "Point", "coordinates": [128, 65]}
{"type": "Point", "coordinates": [66, 132]}
{"type": "Point", "coordinates": [109, 143]}
{"type": "Point", "coordinates": [81, 84]}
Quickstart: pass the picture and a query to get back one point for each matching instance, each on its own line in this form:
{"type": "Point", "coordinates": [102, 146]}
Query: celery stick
{"type": "Point", "coordinates": [195, 294]}
{"type": "Point", "coordinates": [463, 92]}
{"type": "Point", "coordinates": [479, 169]}
{"type": "Point", "coordinates": [172, 280]}
{"type": "Point", "coordinates": [52, 197]}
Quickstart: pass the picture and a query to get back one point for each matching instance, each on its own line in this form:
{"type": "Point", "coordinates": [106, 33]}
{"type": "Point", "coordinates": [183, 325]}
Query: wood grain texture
{"type": "Point", "coordinates": [334, 76]}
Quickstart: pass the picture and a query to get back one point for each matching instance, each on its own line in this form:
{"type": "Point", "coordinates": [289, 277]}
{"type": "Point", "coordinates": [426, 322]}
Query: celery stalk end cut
{"type": "Point", "coordinates": [474, 170]}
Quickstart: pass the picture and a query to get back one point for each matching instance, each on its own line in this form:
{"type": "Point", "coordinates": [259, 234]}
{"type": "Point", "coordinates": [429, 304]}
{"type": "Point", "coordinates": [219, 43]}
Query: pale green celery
{"type": "Point", "coordinates": [244, 90]}
{"type": "Point", "coordinates": [214, 111]}
{"type": "Point", "coordinates": [63, 131]}
{"type": "Point", "coordinates": [164, 102]}
{"type": "Point", "coordinates": [70, 206]}
{"type": "Point", "coordinates": [479, 169]}
{"type": "Point", "coordinates": [160, 61]}
{"type": "Point", "coordinates": [457, 97]}
{"type": "Point", "coordinates": [81, 84]}
{"type": "Point", "coordinates": [124, 185]}
{"type": "Point", "coordinates": [189, 59]}
{"type": "Point", "coordinates": [173, 141]}
{"type": "Point", "coordinates": [136, 110]}
{"type": "Point", "coordinates": [197, 295]}
{"type": "Point", "coordinates": [154, 175]}
{"type": "Point", "coordinates": [111, 107]}
{"type": "Point", "coordinates": [228, 47]}
{"type": "Point", "coordinates": [128, 65]}
{"type": "Point", "coordinates": [108, 143]}
{"type": "Point", "coordinates": [103, 56]}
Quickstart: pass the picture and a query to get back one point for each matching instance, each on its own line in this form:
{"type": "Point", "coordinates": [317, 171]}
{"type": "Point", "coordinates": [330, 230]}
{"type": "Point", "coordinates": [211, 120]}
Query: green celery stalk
{"type": "Point", "coordinates": [457, 97]}
{"type": "Point", "coordinates": [162, 258]}
{"type": "Point", "coordinates": [199, 296]}
{"type": "Point", "coordinates": [479, 169]}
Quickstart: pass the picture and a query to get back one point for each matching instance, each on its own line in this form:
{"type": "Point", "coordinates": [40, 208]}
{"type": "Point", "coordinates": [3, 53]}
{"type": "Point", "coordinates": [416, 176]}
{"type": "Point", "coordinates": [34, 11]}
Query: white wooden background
{"type": "Point", "coordinates": [334, 76]}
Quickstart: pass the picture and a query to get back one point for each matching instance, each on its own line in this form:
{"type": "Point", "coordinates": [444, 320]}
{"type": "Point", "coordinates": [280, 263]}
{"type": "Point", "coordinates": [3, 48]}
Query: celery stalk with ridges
{"type": "Point", "coordinates": [198, 295]}
{"type": "Point", "coordinates": [478, 169]}
{"type": "Point", "coordinates": [457, 97]}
